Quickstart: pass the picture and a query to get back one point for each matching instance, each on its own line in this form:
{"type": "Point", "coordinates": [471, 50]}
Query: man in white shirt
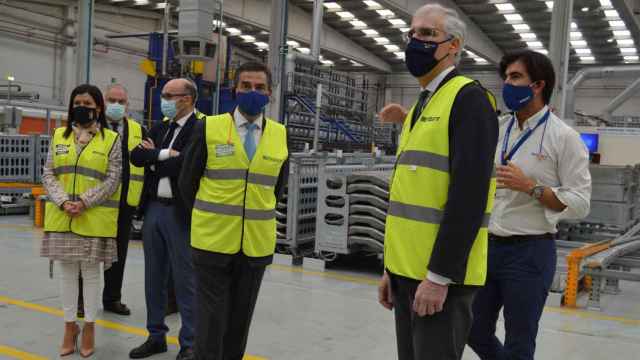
{"type": "Point", "coordinates": [165, 232]}
{"type": "Point", "coordinates": [543, 177]}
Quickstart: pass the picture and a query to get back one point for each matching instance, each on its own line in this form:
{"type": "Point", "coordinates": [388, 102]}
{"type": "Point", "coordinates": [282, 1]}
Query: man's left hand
{"type": "Point", "coordinates": [512, 177]}
{"type": "Point", "coordinates": [429, 298]}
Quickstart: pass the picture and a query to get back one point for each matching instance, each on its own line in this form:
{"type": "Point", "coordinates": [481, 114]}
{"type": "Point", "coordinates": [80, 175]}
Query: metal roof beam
{"type": "Point", "coordinates": [258, 13]}
{"type": "Point", "coordinates": [476, 40]}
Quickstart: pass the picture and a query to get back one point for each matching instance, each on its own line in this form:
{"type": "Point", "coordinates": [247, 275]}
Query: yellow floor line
{"type": "Point", "coordinates": [111, 325]}
{"type": "Point", "coordinates": [19, 354]}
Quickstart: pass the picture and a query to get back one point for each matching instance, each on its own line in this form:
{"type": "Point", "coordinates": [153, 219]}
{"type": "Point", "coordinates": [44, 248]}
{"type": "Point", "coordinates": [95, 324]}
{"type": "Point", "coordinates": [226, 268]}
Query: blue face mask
{"type": "Point", "coordinates": [517, 97]}
{"type": "Point", "coordinates": [420, 56]}
{"type": "Point", "coordinates": [168, 108]}
{"type": "Point", "coordinates": [251, 103]}
{"type": "Point", "coordinates": [115, 111]}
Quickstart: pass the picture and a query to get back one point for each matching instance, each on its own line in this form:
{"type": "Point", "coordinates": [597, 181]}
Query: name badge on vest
{"type": "Point", "coordinates": [225, 150]}
{"type": "Point", "coordinates": [62, 149]}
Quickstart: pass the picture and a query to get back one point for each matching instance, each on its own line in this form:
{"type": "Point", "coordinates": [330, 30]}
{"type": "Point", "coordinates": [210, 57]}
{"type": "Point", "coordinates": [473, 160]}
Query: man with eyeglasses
{"type": "Point", "coordinates": [165, 233]}
{"type": "Point", "coordinates": [441, 193]}
{"type": "Point", "coordinates": [234, 172]}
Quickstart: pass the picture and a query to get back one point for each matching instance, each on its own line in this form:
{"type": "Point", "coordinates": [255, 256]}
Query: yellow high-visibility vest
{"type": "Point", "coordinates": [78, 173]}
{"type": "Point", "coordinates": [419, 190]}
{"type": "Point", "coordinates": [235, 205]}
{"type": "Point", "coordinates": [136, 174]}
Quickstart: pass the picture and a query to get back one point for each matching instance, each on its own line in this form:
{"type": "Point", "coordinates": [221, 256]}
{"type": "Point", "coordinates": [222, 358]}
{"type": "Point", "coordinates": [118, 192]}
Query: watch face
{"type": "Point", "coordinates": [538, 192]}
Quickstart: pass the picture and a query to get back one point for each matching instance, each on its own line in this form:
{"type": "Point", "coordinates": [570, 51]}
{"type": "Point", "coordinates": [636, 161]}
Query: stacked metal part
{"type": "Point", "coordinates": [345, 118]}
{"type": "Point", "coordinates": [368, 195]}
{"type": "Point", "coordinates": [614, 205]}
{"type": "Point", "coordinates": [281, 218]}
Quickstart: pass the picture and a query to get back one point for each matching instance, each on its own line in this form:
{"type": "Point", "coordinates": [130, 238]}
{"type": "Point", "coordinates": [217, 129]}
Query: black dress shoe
{"type": "Point", "coordinates": [117, 308]}
{"type": "Point", "coordinates": [186, 353]}
{"type": "Point", "coordinates": [150, 347]}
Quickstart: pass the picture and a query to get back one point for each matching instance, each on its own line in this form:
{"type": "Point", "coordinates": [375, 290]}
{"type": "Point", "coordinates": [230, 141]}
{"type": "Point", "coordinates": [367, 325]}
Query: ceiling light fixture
{"type": "Point", "coordinates": [372, 4]}
{"type": "Point", "coordinates": [233, 31]}
{"type": "Point", "coordinates": [345, 15]}
{"type": "Point", "coordinates": [504, 7]}
{"type": "Point", "coordinates": [385, 13]}
{"type": "Point", "coordinates": [392, 48]}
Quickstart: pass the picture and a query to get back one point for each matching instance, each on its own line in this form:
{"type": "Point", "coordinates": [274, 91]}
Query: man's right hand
{"type": "Point", "coordinates": [393, 113]}
{"type": "Point", "coordinates": [148, 144]}
{"type": "Point", "coordinates": [385, 297]}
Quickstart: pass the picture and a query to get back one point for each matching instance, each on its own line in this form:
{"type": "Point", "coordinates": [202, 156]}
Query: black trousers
{"type": "Point", "coordinates": [226, 294]}
{"type": "Point", "coordinates": [441, 336]}
{"type": "Point", "coordinates": [114, 276]}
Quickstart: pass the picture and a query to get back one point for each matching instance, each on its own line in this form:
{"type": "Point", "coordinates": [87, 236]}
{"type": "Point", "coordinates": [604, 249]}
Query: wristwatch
{"type": "Point", "coordinates": [537, 192]}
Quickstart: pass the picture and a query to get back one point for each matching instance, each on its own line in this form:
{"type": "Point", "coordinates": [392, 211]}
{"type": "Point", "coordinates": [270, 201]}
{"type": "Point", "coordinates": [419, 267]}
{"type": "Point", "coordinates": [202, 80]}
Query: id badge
{"type": "Point", "coordinates": [223, 150]}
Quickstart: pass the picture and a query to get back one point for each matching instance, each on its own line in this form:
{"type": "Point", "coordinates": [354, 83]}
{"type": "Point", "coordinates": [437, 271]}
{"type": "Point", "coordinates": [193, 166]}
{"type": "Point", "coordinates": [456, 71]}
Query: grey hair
{"type": "Point", "coordinates": [453, 25]}
{"type": "Point", "coordinates": [191, 88]}
{"type": "Point", "coordinates": [119, 86]}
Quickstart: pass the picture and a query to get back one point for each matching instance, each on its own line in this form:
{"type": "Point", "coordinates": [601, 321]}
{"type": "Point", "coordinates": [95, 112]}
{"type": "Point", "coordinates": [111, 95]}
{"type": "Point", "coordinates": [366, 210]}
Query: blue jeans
{"type": "Point", "coordinates": [167, 247]}
{"type": "Point", "coordinates": [519, 276]}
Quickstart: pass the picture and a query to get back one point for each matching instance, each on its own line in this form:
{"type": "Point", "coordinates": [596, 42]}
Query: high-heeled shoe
{"type": "Point", "coordinates": [88, 331]}
{"type": "Point", "coordinates": [75, 343]}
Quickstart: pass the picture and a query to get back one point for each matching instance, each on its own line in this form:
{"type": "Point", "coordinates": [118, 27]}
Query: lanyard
{"type": "Point", "coordinates": [504, 157]}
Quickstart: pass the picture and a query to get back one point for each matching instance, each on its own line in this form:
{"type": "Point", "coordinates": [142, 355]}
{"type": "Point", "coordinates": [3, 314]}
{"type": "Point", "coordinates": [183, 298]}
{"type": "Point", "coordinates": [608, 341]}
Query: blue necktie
{"type": "Point", "coordinates": [250, 141]}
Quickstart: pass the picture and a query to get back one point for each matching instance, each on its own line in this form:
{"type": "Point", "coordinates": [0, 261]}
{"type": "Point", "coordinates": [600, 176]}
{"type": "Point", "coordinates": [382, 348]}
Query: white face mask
{"type": "Point", "coordinates": [84, 135]}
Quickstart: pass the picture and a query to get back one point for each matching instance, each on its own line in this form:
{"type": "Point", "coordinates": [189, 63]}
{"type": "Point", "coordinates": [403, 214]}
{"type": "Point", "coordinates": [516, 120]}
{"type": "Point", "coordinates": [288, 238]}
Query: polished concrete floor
{"type": "Point", "coordinates": [302, 313]}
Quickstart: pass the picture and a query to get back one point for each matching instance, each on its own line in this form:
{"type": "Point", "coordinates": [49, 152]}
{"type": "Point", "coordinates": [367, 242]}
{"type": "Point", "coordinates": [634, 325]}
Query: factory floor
{"type": "Point", "coordinates": [302, 313]}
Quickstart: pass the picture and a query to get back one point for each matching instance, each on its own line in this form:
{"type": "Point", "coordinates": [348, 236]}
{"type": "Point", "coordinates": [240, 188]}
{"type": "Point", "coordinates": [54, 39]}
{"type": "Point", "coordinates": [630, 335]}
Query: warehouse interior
{"type": "Point", "coordinates": [335, 64]}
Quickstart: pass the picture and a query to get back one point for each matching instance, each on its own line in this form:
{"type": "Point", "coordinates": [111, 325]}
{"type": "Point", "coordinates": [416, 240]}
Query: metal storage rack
{"type": "Point", "coordinates": [352, 206]}
{"type": "Point", "coordinates": [346, 120]}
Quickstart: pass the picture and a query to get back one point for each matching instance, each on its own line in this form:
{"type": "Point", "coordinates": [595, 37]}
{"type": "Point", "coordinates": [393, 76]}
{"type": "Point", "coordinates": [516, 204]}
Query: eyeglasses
{"type": "Point", "coordinates": [169, 96]}
{"type": "Point", "coordinates": [422, 33]}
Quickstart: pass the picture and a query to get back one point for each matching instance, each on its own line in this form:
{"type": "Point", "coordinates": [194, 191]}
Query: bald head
{"type": "Point", "coordinates": [183, 92]}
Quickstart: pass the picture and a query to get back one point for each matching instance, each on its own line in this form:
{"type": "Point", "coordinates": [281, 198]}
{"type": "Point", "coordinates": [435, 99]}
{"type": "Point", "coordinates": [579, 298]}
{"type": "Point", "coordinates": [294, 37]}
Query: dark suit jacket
{"type": "Point", "coordinates": [473, 136]}
{"type": "Point", "coordinates": [167, 168]}
{"type": "Point", "coordinates": [194, 166]}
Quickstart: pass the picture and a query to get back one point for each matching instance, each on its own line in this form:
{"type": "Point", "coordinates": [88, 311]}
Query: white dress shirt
{"type": "Point", "coordinates": [554, 157]}
{"type": "Point", "coordinates": [164, 185]}
{"type": "Point", "coordinates": [241, 126]}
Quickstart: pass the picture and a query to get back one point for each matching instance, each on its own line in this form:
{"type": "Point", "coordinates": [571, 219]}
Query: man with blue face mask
{"type": "Point", "coordinates": [440, 195]}
{"type": "Point", "coordinates": [165, 232]}
{"type": "Point", "coordinates": [235, 170]}
{"type": "Point", "coordinates": [543, 177]}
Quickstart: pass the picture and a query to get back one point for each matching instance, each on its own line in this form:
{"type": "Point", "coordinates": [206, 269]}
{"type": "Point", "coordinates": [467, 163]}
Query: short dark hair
{"type": "Point", "coordinates": [538, 66]}
{"type": "Point", "coordinates": [96, 94]}
{"type": "Point", "coordinates": [251, 67]}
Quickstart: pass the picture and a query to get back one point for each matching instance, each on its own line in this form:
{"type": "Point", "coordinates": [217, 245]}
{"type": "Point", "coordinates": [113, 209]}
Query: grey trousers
{"type": "Point", "coordinates": [441, 336]}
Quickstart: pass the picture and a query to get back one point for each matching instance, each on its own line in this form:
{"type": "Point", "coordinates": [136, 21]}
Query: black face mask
{"type": "Point", "coordinates": [83, 115]}
{"type": "Point", "coordinates": [420, 56]}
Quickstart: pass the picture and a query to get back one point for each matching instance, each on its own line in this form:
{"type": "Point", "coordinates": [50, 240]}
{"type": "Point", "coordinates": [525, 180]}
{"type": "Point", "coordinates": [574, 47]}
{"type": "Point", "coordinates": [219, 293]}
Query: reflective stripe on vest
{"type": "Point", "coordinates": [136, 174]}
{"type": "Point", "coordinates": [235, 204]}
{"type": "Point", "coordinates": [419, 189]}
{"type": "Point", "coordinates": [78, 173]}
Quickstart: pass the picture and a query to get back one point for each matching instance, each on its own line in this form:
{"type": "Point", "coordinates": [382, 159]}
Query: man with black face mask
{"type": "Point", "coordinates": [441, 194]}
{"type": "Point", "coordinates": [543, 177]}
{"type": "Point", "coordinates": [234, 172]}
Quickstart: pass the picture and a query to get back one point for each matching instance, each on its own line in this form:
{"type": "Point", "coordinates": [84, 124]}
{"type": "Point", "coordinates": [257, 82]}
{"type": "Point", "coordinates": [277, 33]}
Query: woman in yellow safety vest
{"type": "Point", "coordinates": [81, 177]}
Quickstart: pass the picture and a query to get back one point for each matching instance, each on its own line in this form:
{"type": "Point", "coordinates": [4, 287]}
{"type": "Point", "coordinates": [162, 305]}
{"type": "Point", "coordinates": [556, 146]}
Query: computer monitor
{"type": "Point", "coordinates": [591, 141]}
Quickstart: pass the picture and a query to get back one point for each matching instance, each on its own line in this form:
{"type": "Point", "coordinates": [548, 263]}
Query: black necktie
{"type": "Point", "coordinates": [169, 135]}
{"type": "Point", "coordinates": [114, 126]}
{"type": "Point", "coordinates": [419, 106]}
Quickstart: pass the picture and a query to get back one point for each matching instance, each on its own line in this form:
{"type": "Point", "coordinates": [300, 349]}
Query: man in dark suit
{"type": "Point", "coordinates": [234, 158]}
{"type": "Point", "coordinates": [441, 193]}
{"type": "Point", "coordinates": [165, 233]}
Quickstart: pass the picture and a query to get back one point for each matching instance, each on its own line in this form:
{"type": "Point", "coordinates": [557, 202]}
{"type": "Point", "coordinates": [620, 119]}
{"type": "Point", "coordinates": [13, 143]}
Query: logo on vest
{"type": "Point", "coordinates": [62, 149]}
{"type": "Point", "coordinates": [430, 118]}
